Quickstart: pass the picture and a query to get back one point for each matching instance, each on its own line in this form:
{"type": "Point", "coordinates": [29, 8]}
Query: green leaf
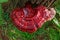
{"type": "Point", "coordinates": [2, 1]}
{"type": "Point", "coordinates": [56, 22]}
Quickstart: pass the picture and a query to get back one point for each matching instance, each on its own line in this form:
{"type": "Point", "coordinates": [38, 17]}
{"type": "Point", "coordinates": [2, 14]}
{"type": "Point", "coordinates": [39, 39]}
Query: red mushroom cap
{"type": "Point", "coordinates": [28, 19]}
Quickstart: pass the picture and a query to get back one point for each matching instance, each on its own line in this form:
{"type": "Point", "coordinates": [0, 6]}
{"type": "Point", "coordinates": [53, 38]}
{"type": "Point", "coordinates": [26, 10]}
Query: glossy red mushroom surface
{"type": "Point", "coordinates": [28, 19]}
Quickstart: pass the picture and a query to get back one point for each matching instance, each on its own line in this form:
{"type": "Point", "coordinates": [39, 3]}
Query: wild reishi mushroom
{"type": "Point", "coordinates": [28, 19]}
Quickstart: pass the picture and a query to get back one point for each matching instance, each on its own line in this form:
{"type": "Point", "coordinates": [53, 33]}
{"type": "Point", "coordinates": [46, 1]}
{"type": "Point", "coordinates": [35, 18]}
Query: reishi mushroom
{"type": "Point", "coordinates": [28, 19]}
